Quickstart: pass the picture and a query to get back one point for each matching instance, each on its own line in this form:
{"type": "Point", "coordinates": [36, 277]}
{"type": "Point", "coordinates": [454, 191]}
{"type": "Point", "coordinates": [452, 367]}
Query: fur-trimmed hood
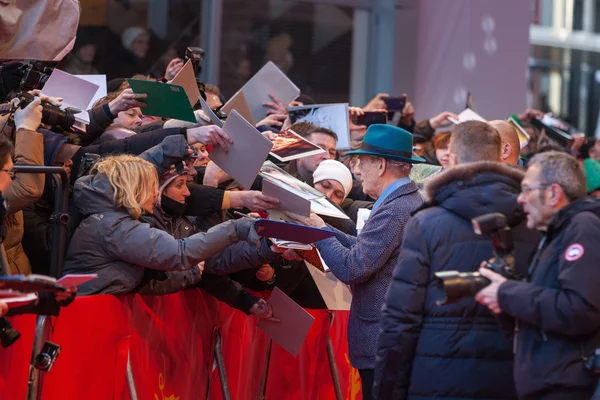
{"type": "Point", "coordinates": [478, 188]}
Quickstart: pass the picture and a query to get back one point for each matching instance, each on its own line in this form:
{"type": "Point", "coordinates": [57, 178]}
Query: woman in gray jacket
{"type": "Point", "coordinates": [113, 243]}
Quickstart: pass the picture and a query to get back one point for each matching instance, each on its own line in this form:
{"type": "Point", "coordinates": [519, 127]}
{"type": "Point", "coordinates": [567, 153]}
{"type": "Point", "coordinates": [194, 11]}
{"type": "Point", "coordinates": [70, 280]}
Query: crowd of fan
{"type": "Point", "coordinates": [154, 215]}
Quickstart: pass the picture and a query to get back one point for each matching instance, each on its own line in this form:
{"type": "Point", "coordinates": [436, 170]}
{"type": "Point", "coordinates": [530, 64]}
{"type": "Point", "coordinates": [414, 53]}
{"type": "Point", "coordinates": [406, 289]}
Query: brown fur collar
{"type": "Point", "coordinates": [468, 171]}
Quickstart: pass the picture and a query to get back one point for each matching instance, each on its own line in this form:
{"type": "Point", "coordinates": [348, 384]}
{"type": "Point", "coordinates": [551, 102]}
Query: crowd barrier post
{"type": "Point", "coordinates": [332, 364]}
{"type": "Point", "coordinates": [263, 380]}
{"type": "Point", "coordinates": [43, 328]}
{"type": "Point", "coordinates": [220, 361]}
{"type": "Point", "coordinates": [59, 219]}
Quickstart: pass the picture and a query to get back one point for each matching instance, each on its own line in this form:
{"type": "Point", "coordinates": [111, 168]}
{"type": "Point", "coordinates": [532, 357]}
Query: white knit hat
{"type": "Point", "coordinates": [130, 34]}
{"type": "Point", "coordinates": [331, 169]}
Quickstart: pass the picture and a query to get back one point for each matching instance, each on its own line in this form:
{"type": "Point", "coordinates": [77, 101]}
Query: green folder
{"type": "Point", "coordinates": [164, 100]}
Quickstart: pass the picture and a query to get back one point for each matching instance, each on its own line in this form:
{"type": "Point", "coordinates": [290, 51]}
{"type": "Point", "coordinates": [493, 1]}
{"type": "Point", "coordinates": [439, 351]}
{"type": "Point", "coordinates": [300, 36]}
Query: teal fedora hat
{"type": "Point", "coordinates": [387, 141]}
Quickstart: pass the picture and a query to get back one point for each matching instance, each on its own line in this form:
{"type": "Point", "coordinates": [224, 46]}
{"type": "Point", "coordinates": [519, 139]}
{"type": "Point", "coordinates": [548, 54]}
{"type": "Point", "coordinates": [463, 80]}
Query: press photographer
{"type": "Point", "coordinates": [557, 309]}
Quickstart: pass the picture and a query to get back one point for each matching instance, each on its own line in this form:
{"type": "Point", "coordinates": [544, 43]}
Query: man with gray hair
{"type": "Point", "coordinates": [366, 263]}
{"type": "Point", "coordinates": [455, 351]}
{"type": "Point", "coordinates": [557, 309]}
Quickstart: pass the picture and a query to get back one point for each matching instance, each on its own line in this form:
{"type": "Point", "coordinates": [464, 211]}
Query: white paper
{"type": "Point", "coordinates": [99, 80]}
{"type": "Point", "coordinates": [467, 115]}
{"type": "Point", "coordinates": [70, 281]}
{"type": "Point", "coordinates": [17, 299]}
{"type": "Point", "coordinates": [269, 80]}
{"type": "Point", "coordinates": [210, 114]}
{"type": "Point", "coordinates": [287, 244]}
{"type": "Point", "coordinates": [76, 92]}
{"type": "Point", "coordinates": [330, 116]}
{"type": "Point", "coordinates": [335, 293]}
{"type": "Point", "coordinates": [361, 219]}
{"type": "Point", "coordinates": [246, 155]}
{"type": "Point", "coordinates": [324, 207]}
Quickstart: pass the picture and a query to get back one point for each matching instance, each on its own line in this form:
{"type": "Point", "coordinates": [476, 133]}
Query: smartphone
{"type": "Point", "coordinates": [370, 118]}
{"type": "Point", "coordinates": [395, 103]}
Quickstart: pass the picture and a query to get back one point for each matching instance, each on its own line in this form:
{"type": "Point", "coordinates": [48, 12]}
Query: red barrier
{"type": "Point", "coordinates": [169, 340]}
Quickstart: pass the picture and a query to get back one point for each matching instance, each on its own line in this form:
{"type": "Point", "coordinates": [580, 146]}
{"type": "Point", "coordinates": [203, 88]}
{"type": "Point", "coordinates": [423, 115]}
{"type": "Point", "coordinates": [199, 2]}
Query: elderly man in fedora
{"type": "Point", "coordinates": [367, 262]}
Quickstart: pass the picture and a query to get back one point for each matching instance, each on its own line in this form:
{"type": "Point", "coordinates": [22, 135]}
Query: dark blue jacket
{"type": "Point", "coordinates": [558, 311]}
{"type": "Point", "coordinates": [455, 351]}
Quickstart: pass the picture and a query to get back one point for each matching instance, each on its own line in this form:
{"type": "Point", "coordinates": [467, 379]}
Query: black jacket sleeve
{"type": "Point", "coordinates": [135, 145]}
{"type": "Point", "coordinates": [228, 291]}
{"type": "Point", "coordinates": [572, 308]}
{"type": "Point", "coordinates": [204, 200]}
{"type": "Point", "coordinates": [402, 317]}
{"type": "Point", "coordinates": [100, 119]}
{"type": "Point", "coordinates": [423, 131]}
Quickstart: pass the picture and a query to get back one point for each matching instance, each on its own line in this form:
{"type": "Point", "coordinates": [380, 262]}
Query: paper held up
{"type": "Point", "coordinates": [238, 103]}
{"type": "Point", "coordinates": [288, 145]}
{"type": "Point", "coordinates": [187, 80]}
{"type": "Point", "coordinates": [335, 293]}
{"type": "Point", "coordinates": [164, 100]}
{"type": "Point", "coordinates": [246, 154]}
{"type": "Point", "coordinates": [467, 115]}
{"type": "Point", "coordinates": [295, 322]}
{"type": "Point", "coordinates": [269, 80]}
{"type": "Point", "coordinates": [76, 92]}
{"type": "Point", "coordinates": [319, 204]}
{"type": "Point", "coordinates": [290, 232]}
{"type": "Point", "coordinates": [331, 116]}
{"type": "Point", "coordinates": [16, 299]}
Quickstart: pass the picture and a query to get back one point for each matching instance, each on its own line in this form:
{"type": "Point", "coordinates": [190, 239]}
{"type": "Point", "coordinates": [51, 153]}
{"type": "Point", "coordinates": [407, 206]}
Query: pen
{"type": "Point", "coordinates": [239, 214]}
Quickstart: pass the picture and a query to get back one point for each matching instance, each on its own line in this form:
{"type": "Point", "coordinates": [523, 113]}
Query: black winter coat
{"type": "Point", "coordinates": [558, 311]}
{"type": "Point", "coordinates": [455, 351]}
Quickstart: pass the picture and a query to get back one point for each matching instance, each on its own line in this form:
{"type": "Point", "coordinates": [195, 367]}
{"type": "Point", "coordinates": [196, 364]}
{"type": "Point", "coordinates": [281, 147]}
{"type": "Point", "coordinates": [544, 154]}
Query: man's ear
{"type": "Point", "coordinates": [557, 195]}
{"type": "Point", "coordinates": [381, 167]}
{"type": "Point", "coordinates": [506, 150]}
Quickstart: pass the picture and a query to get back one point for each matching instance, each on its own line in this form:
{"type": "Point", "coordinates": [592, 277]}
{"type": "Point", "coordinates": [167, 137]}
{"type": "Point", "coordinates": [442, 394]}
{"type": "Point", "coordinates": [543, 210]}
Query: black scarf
{"type": "Point", "coordinates": [172, 208]}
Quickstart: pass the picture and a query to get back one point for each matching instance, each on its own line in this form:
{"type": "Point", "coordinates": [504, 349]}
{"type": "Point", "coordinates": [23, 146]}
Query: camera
{"type": "Point", "coordinates": [195, 54]}
{"type": "Point", "coordinates": [47, 357]}
{"type": "Point", "coordinates": [34, 75]}
{"type": "Point", "coordinates": [58, 119]}
{"type": "Point", "coordinates": [459, 285]}
{"type": "Point", "coordinates": [8, 335]}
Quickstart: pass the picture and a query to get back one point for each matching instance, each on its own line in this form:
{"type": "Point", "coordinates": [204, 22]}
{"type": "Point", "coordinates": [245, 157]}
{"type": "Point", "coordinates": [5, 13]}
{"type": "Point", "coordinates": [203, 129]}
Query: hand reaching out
{"type": "Point", "coordinates": [210, 135]}
{"type": "Point", "coordinates": [275, 106]}
{"type": "Point", "coordinates": [442, 119]}
{"type": "Point", "coordinates": [263, 310]}
{"type": "Point", "coordinates": [126, 101]}
{"type": "Point", "coordinates": [30, 117]}
{"type": "Point", "coordinates": [175, 65]}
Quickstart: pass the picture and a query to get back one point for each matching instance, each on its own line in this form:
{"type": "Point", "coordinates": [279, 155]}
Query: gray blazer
{"type": "Point", "coordinates": [366, 263]}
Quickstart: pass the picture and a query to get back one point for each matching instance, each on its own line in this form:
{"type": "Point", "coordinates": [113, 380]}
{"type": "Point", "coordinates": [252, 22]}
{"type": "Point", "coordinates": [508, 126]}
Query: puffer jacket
{"type": "Point", "coordinates": [118, 248]}
{"type": "Point", "coordinates": [240, 255]}
{"type": "Point", "coordinates": [454, 351]}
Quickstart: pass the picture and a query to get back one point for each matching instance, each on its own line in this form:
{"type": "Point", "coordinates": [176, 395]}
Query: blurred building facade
{"type": "Point", "coordinates": [337, 50]}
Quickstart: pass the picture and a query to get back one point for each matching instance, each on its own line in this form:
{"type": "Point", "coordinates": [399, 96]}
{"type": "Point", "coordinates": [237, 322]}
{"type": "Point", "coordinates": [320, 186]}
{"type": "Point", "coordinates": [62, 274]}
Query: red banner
{"type": "Point", "coordinates": [169, 341]}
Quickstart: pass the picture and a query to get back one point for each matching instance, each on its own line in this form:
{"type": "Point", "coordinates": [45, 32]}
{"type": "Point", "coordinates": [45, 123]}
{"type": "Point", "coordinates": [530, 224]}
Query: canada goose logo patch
{"type": "Point", "coordinates": [574, 252]}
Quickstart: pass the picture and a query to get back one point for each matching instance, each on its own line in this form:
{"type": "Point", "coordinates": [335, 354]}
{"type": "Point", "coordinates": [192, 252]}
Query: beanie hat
{"type": "Point", "coordinates": [591, 168]}
{"type": "Point", "coordinates": [167, 177]}
{"type": "Point", "coordinates": [331, 169]}
{"type": "Point", "coordinates": [130, 34]}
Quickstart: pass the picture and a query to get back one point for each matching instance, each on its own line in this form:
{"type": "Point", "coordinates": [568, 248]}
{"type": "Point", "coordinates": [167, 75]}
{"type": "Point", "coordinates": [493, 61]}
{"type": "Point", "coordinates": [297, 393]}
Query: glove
{"type": "Point", "coordinates": [244, 228]}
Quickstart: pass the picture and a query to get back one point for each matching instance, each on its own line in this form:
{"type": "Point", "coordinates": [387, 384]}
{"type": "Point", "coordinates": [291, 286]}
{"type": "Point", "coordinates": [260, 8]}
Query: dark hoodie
{"type": "Point", "coordinates": [37, 237]}
{"type": "Point", "coordinates": [455, 351]}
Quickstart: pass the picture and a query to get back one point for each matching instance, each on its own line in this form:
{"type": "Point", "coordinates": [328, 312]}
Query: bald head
{"type": "Point", "coordinates": [510, 142]}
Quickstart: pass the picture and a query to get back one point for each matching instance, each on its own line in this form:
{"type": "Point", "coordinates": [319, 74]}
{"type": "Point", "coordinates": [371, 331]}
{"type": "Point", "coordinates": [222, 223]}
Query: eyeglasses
{"type": "Point", "coordinates": [11, 173]}
{"type": "Point", "coordinates": [527, 189]}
